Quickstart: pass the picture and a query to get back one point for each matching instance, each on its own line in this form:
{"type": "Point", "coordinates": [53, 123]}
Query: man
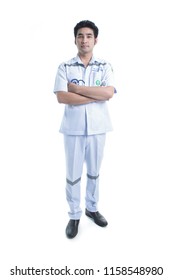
{"type": "Point", "coordinates": [84, 84]}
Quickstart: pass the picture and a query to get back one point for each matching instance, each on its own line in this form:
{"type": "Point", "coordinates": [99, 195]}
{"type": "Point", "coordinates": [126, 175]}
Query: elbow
{"type": "Point", "coordinates": [111, 95]}
{"type": "Point", "coordinates": [59, 97]}
{"type": "Point", "coordinates": [110, 92]}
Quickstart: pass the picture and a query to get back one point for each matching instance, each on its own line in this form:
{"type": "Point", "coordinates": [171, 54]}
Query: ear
{"type": "Point", "coordinates": [96, 40]}
{"type": "Point", "coordinates": [75, 41]}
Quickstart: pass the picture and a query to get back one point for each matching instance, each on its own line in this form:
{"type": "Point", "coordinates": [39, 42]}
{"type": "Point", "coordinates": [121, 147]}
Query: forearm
{"type": "Point", "coordinates": [72, 98]}
{"type": "Point", "coordinates": [98, 93]}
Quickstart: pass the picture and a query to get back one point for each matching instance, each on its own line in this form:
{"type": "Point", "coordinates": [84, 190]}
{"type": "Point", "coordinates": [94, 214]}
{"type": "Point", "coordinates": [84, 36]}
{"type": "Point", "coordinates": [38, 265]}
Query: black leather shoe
{"type": "Point", "coordinates": [97, 217]}
{"type": "Point", "coordinates": [72, 228]}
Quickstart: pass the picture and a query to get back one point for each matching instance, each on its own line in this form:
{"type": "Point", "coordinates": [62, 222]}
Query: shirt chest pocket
{"type": "Point", "coordinates": [96, 79]}
{"type": "Point", "coordinates": [75, 77]}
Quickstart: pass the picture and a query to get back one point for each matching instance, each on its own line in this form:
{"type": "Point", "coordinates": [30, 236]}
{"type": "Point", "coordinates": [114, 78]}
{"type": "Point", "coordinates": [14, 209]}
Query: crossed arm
{"type": "Point", "coordinates": [78, 95]}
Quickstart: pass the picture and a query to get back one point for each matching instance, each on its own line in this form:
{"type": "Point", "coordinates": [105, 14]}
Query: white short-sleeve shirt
{"type": "Point", "coordinates": [85, 119]}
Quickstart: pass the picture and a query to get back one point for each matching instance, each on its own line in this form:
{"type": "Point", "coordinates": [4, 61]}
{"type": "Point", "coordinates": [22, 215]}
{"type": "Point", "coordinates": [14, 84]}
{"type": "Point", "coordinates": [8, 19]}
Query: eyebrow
{"type": "Point", "coordinates": [79, 34]}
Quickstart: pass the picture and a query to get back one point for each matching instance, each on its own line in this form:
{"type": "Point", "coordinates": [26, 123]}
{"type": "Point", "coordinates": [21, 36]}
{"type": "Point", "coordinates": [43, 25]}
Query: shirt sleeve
{"type": "Point", "coordinates": [108, 77]}
{"type": "Point", "coordinates": [60, 79]}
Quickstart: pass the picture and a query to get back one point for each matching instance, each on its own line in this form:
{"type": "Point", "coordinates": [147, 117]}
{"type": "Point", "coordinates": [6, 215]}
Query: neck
{"type": "Point", "coordinates": [85, 58]}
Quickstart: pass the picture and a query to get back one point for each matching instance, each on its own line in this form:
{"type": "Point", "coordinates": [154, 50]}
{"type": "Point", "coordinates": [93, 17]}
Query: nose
{"type": "Point", "coordinates": [84, 39]}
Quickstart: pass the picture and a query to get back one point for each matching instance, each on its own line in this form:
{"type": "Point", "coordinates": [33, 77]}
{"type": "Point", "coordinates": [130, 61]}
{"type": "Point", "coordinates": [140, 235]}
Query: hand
{"type": "Point", "coordinates": [72, 87]}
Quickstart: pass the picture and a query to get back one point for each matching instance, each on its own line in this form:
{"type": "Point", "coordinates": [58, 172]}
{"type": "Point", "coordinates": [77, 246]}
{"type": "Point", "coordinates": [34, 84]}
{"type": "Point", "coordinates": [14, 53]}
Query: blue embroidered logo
{"type": "Point", "coordinates": [78, 82]}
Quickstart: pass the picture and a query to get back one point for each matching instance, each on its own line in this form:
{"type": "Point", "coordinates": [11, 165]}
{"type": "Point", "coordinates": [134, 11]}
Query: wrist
{"type": "Point", "coordinates": [79, 90]}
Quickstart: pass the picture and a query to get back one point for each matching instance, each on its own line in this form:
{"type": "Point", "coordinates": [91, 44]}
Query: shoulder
{"type": "Point", "coordinates": [69, 62]}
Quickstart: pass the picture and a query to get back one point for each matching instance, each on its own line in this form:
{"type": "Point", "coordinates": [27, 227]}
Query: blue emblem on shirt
{"type": "Point", "coordinates": [78, 82]}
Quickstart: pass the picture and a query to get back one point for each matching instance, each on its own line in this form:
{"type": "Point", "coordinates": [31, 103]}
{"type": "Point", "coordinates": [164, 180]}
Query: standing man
{"type": "Point", "coordinates": [84, 84]}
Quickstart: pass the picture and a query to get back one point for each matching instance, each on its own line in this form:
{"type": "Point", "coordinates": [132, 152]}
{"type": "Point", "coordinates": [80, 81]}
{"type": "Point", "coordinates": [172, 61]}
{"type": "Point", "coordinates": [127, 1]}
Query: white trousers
{"type": "Point", "coordinates": [80, 149]}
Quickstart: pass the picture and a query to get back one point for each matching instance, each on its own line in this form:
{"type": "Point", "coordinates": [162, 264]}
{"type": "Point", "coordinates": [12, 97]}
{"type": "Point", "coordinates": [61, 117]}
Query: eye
{"type": "Point", "coordinates": [79, 36]}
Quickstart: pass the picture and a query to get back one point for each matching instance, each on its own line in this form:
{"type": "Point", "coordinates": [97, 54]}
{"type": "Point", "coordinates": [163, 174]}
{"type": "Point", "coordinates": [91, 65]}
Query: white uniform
{"type": "Point", "coordinates": [84, 128]}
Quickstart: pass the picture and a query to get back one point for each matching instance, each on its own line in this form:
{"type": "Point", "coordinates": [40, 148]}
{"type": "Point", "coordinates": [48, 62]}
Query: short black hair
{"type": "Point", "coordinates": [86, 23]}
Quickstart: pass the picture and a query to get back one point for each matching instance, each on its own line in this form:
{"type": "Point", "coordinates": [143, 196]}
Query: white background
{"type": "Point", "coordinates": [136, 179]}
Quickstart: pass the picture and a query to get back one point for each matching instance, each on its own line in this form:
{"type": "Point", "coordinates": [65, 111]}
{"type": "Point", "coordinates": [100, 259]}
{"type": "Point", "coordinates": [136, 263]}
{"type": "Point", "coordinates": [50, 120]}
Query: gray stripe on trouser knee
{"type": "Point", "coordinates": [92, 177]}
{"type": "Point", "coordinates": [74, 182]}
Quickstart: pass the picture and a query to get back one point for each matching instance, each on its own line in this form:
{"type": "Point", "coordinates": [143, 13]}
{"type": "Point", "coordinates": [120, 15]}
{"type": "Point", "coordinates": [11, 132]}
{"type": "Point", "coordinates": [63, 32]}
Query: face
{"type": "Point", "coordinates": [85, 40]}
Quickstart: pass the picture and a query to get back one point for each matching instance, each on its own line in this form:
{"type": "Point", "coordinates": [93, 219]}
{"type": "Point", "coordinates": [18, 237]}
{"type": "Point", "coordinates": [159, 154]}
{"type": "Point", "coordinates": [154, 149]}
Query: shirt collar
{"type": "Point", "coordinates": [78, 60]}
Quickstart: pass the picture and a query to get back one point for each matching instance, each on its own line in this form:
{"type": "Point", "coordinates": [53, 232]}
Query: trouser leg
{"type": "Point", "coordinates": [75, 154]}
{"type": "Point", "coordinates": [94, 155]}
